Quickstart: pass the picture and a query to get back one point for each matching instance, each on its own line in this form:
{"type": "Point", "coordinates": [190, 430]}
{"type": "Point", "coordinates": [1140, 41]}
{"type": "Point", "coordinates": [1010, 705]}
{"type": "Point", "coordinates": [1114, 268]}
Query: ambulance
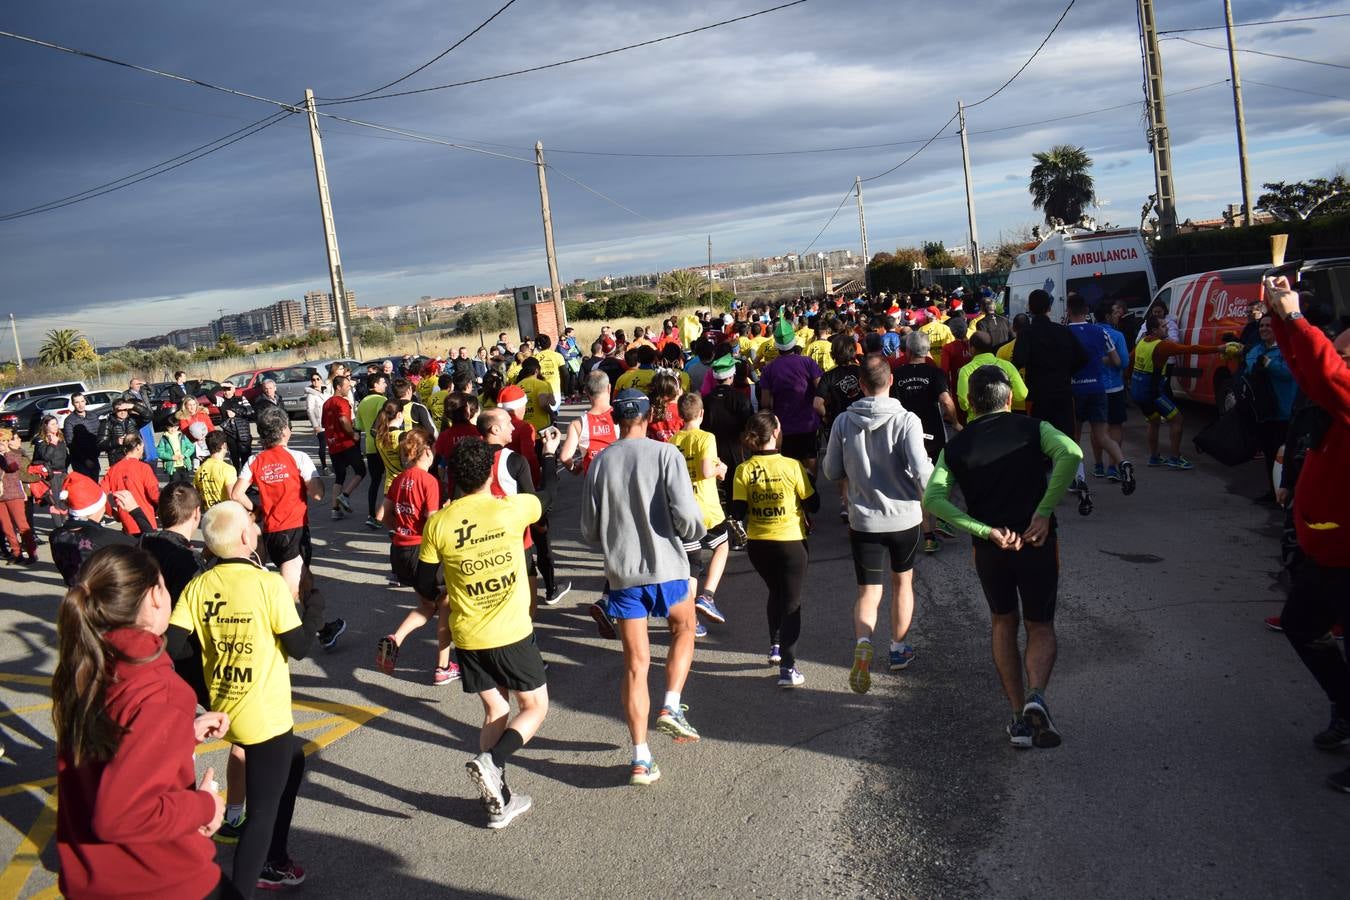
{"type": "Point", "coordinates": [1102, 266]}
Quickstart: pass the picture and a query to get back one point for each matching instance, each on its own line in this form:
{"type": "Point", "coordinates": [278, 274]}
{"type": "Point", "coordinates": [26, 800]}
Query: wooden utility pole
{"type": "Point", "coordinates": [559, 308]}
{"type": "Point", "coordinates": [862, 222]}
{"type": "Point", "coordinates": [338, 286]}
{"type": "Point", "coordinates": [1159, 139]}
{"type": "Point", "coordinates": [18, 354]}
{"type": "Point", "coordinates": [970, 193]}
{"type": "Point", "coordinates": [710, 286]}
{"type": "Point", "coordinates": [1238, 114]}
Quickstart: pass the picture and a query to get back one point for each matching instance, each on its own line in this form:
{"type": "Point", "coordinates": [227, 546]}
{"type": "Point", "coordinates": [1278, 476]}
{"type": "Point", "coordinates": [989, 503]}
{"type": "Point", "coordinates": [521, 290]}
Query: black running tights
{"type": "Point", "coordinates": [543, 556]}
{"type": "Point", "coordinates": [272, 773]}
{"type": "Point", "coordinates": [782, 565]}
{"type": "Point", "coordinates": [375, 490]}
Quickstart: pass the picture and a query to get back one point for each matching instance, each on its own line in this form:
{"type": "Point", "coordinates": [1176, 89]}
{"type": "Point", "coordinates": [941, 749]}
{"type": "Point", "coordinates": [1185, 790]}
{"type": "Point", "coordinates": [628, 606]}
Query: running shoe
{"type": "Point", "coordinates": [372, 523]}
{"type": "Point", "coordinates": [1156, 461]}
{"type": "Point", "coordinates": [860, 677]}
{"type": "Point", "coordinates": [230, 832]}
{"type": "Point", "coordinates": [943, 529]}
{"type": "Point", "coordinates": [275, 876]}
{"type": "Point", "coordinates": [1085, 503]}
{"type": "Point", "coordinates": [603, 623]}
{"type": "Point", "coordinates": [1038, 715]}
{"type": "Point", "coordinates": [516, 806]}
{"type": "Point", "coordinates": [1112, 474]}
{"type": "Point", "coordinates": [338, 514]}
{"type": "Point", "coordinates": [1099, 471]}
{"type": "Point", "coordinates": [1273, 623]}
{"type": "Point", "coordinates": [775, 655]}
{"type": "Point", "coordinates": [900, 659]}
{"type": "Point", "coordinates": [559, 591]}
{"type": "Point", "coordinates": [443, 676]}
{"type": "Point", "coordinates": [1336, 736]}
{"type": "Point", "coordinates": [930, 545]}
{"type": "Point", "coordinates": [330, 632]}
{"type": "Point", "coordinates": [344, 501]}
{"type": "Point", "coordinates": [738, 535]}
{"type": "Point", "coordinates": [1340, 781]}
{"type": "Point", "coordinates": [483, 772]}
{"type": "Point", "coordinates": [843, 516]}
{"type": "Point", "coordinates": [789, 677]}
{"type": "Point", "coordinates": [644, 772]}
{"type": "Point", "coordinates": [392, 580]}
{"type": "Point", "coordinates": [386, 654]}
{"type": "Point", "coordinates": [706, 606]}
{"type": "Point", "coordinates": [700, 630]}
{"type": "Point", "coordinates": [1078, 486]}
{"type": "Point", "coordinates": [672, 722]}
{"type": "Point", "coordinates": [1179, 462]}
{"type": "Point", "coordinates": [1020, 733]}
{"type": "Point", "coordinates": [1127, 483]}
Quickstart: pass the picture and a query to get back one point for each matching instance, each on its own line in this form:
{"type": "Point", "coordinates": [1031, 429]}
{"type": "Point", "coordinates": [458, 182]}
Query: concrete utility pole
{"type": "Point", "coordinates": [18, 354]}
{"type": "Point", "coordinates": [862, 225]}
{"type": "Point", "coordinates": [559, 308]}
{"type": "Point", "coordinates": [1239, 115]}
{"type": "Point", "coordinates": [710, 286]}
{"type": "Point", "coordinates": [1157, 122]}
{"type": "Point", "coordinates": [339, 287]}
{"type": "Point", "coordinates": [970, 194]}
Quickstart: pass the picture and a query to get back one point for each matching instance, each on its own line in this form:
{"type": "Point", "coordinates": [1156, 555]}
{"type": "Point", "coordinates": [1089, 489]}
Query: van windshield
{"type": "Point", "coordinates": [1103, 290]}
{"type": "Point", "coordinates": [1331, 288]}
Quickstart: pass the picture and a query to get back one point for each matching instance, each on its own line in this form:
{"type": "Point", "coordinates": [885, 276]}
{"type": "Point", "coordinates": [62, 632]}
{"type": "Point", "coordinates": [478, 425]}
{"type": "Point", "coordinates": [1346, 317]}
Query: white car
{"type": "Point", "coordinates": [97, 403]}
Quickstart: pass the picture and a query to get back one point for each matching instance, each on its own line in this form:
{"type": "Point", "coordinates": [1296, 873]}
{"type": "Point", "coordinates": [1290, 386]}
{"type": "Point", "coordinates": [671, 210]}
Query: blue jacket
{"type": "Point", "coordinates": [1281, 379]}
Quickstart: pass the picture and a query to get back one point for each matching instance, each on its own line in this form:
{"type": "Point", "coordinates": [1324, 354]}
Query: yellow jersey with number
{"type": "Point", "coordinates": [774, 486]}
{"type": "Point", "coordinates": [696, 445]}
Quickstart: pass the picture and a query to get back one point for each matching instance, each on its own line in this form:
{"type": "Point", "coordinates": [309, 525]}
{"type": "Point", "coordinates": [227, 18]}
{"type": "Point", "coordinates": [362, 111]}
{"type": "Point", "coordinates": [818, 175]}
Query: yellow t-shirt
{"type": "Point", "coordinates": [697, 445]}
{"type": "Point", "coordinates": [478, 541]}
{"type": "Point", "coordinates": [758, 344]}
{"type": "Point", "coordinates": [437, 406]}
{"type": "Point", "coordinates": [768, 352]}
{"type": "Point", "coordinates": [393, 463]}
{"type": "Point", "coordinates": [820, 352]}
{"type": "Point", "coordinates": [238, 612]}
{"type": "Point", "coordinates": [213, 481]}
{"type": "Point", "coordinates": [425, 388]}
{"type": "Point", "coordinates": [550, 366]}
{"type": "Point", "coordinates": [805, 335]}
{"type": "Point", "coordinates": [939, 335]}
{"type": "Point", "coordinates": [536, 411]}
{"type": "Point", "coordinates": [1005, 353]}
{"type": "Point", "coordinates": [635, 378]}
{"type": "Point", "coordinates": [774, 486]}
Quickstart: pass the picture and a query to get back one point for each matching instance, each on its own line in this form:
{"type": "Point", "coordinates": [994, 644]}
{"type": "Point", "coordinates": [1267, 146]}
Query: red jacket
{"type": "Point", "coordinates": [127, 828]}
{"type": "Point", "coordinates": [128, 474]}
{"type": "Point", "coordinates": [1322, 495]}
{"type": "Point", "coordinates": [522, 441]}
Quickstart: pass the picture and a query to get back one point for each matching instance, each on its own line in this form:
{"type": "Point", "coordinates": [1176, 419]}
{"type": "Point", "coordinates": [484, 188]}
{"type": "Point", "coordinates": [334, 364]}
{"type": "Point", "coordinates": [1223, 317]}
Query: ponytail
{"type": "Point", "coordinates": [112, 585]}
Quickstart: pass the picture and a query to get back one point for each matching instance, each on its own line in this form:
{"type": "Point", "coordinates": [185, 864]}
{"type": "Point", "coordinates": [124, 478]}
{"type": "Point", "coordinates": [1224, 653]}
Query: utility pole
{"type": "Point", "coordinates": [710, 287]}
{"type": "Point", "coordinates": [862, 228]}
{"type": "Point", "coordinates": [1159, 139]}
{"type": "Point", "coordinates": [1239, 115]}
{"type": "Point", "coordinates": [18, 354]}
{"type": "Point", "coordinates": [339, 287]}
{"type": "Point", "coordinates": [559, 308]}
{"type": "Point", "coordinates": [970, 194]}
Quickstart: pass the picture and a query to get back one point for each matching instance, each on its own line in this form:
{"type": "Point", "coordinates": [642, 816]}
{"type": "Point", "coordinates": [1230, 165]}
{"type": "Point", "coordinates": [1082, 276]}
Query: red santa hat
{"type": "Point", "coordinates": [82, 495]}
{"type": "Point", "coordinates": [511, 397]}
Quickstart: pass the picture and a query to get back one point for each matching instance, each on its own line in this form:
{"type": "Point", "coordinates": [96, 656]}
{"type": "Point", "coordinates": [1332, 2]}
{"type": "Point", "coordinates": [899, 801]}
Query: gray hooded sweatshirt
{"type": "Point", "coordinates": [878, 445]}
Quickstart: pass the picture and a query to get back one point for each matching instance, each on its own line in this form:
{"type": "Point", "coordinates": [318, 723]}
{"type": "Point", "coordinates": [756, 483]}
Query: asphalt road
{"type": "Point", "coordinates": [1186, 768]}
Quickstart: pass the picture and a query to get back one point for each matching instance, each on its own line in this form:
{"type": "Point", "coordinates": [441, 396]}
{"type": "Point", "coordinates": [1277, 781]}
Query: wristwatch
{"type": "Point", "coordinates": [1293, 315]}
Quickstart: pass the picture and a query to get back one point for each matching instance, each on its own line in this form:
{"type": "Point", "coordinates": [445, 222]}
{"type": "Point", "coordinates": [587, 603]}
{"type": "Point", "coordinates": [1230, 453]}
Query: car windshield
{"type": "Point", "coordinates": [239, 379]}
{"type": "Point", "coordinates": [53, 402]}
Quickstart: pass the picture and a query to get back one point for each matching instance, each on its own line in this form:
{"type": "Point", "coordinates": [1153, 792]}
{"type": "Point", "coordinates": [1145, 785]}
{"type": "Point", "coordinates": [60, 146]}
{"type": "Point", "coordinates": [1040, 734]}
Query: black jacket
{"type": "Point", "coordinates": [1050, 355]}
{"type": "Point", "coordinates": [999, 328]}
{"type": "Point", "coordinates": [236, 429]}
{"type": "Point", "coordinates": [75, 540]}
{"type": "Point", "coordinates": [180, 562]}
{"type": "Point", "coordinates": [113, 430]}
{"type": "Point", "coordinates": [82, 439]}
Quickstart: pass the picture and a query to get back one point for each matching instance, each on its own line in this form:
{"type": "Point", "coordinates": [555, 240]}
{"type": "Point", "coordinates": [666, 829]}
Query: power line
{"type": "Point", "coordinates": [604, 197]}
{"type": "Point", "coordinates": [1262, 22]}
{"type": "Point", "coordinates": [848, 193]}
{"type": "Point", "coordinates": [576, 59]}
{"type": "Point", "coordinates": [1039, 48]}
{"type": "Point", "coordinates": [1296, 90]}
{"type": "Point", "coordinates": [426, 138]}
{"type": "Point", "coordinates": [1314, 62]}
{"type": "Point", "coordinates": [437, 58]}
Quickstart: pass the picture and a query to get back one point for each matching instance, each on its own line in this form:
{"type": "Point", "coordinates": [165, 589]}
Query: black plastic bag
{"type": "Point", "coordinates": [1230, 439]}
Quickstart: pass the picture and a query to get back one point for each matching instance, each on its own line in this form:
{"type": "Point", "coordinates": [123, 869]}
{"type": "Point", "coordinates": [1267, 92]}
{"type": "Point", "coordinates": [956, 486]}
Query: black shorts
{"type": "Point", "coordinates": [799, 446]}
{"type": "Point", "coordinates": [403, 562]}
{"type": "Point", "coordinates": [1030, 575]}
{"type": "Point", "coordinates": [283, 546]}
{"type": "Point", "coordinates": [531, 565]}
{"type": "Point", "coordinates": [516, 667]}
{"type": "Point", "coordinates": [870, 550]}
{"type": "Point", "coordinates": [1116, 408]}
{"type": "Point", "coordinates": [1058, 411]}
{"type": "Point", "coordinates": [715, 537]}
{"type": "Point", "coordinates": [350, 458]}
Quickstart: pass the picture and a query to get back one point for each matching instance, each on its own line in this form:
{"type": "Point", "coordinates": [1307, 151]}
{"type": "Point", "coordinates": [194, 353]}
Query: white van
{"type": "Point", "coordinates": [1102, 266]}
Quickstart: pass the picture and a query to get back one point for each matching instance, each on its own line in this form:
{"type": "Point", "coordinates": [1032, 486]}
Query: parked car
{"type": "Point", "coordinates": [249, 384]}
{"type": "Point", "coordinates": [12, 398]}
{"type": "Point", "coordinates": [24, 416]}
{"type": "Point", "coordinates": [326, 365]}
{"type": "Point", "coordinates": [164, 403]}
{"type": "Point", "coordinates": [97, 403]}
{"type": "Point", "coordinates": [291, 384]}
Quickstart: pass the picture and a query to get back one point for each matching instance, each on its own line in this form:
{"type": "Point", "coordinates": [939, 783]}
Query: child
{"type": "Point", "coordinates": [664, 391]}
{"type": "Point", "coordinates": [128, 806]}
{"type": "Point", "coordinates": [132, 474]}
{"type": "Point", "coordinates": [215, 477]}
{"type": "Point", "coordinates": [771, 492]}
{"type": "Point", "coordinates": [699, 449]}
{"type": "Point", "coordinates": [413, 496]}
{"type": "Point", "coordinates": [177, 453]}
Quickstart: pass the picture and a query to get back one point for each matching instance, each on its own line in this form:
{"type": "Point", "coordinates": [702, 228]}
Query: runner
{"type": "Point", "coordinates": [343, 442]}
{"type": "Point", "coordinates": [788, 389]}
{"type": "Point", "coordinates": [1089, 394]}
{"type": "Point", "coordinates": [838, 388]}
{"type": "Point", "coordinates": [390, 422]}
{"type": "Point", "coordinates": [366, 413]}
{"type": "Point", "coordinates": [215, 477]}
{"type": "Point", "coordinates": [664, 392]}
{"type": "Point", "coordinates": [490, 612]}
{"type": "Point", "coordinates": [1113, 381]}
{"type": "Point", "coordinates": [1150, 388]}
{"type": "Point", "coordinates": [459, 421]}
{"type": "Point", "coordinates": [130, 811]}
{"type": "Point", "coordinates": [922, 388]}
{"type": "Point", "coordinates": [539, 396]}
{"type": "Point", "coordinates": [772, 494]}
{"type": "Point", "coordinates": [245, 620]}
{"type": "Point", "coordinates": [413, 497]}
{"type": "Point", "coordinates": [879, 446]}
{"type": "Point", "coordinates": [592, 431]}
{"type": "Point", "coordinates": [699, 449]}
{"type": "Point", "coordinates": [1049, 354]}
{"type": "Point", "coordinates": [998, 461]}
{"type": "Point", "coordinates": [134, 476]}
{"type": "Point", "coordinates": [638, 507]}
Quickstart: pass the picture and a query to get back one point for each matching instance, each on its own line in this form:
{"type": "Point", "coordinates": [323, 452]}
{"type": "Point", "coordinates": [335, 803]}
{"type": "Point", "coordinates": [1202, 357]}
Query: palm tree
{"type": "Point", "coordinates": [688, 286]}
{"type": "Point", "coordinates": [62, 345]}
{"type": "Point", "coordinates": [1060, 184]}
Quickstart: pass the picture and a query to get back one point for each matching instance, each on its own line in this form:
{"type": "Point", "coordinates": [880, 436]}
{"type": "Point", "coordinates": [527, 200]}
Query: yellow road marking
{"type": "Point", "coordinates": [20, 710]}
{"type": "Point", "coordinates": [30, 849]}
{"type": "Point", "coordinates": [40, 784]}
{"type": "Point", "coordinates": [25, 679]}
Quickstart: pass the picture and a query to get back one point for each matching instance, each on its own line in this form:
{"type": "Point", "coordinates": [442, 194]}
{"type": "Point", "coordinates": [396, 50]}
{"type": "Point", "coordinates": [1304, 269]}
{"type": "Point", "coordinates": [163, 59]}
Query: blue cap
{"type": "Point", "coordinates": [630, 404]}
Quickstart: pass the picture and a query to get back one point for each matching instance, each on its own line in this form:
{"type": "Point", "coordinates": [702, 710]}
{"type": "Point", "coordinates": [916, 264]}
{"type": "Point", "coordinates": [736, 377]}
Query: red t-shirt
{"type": "Point", "coordinates": [661, 431]}
{"type": "Point", "coordinates": [335, 409]}
{"type": "Point", "coordinates": [415, 494]}
{"type": "Point", "coordinates": [445, 442]}
{"type": "Point", "coordinates": [522, 441]}
{"type": "Point", "coordinates": [129, 474]}
{"type": "Point", "coordinates": [281, 475]}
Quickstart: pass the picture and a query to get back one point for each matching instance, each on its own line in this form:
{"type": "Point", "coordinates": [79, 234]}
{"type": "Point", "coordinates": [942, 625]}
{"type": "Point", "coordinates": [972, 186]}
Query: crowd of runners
{"type": "Point", "coordinates": [706, 436]}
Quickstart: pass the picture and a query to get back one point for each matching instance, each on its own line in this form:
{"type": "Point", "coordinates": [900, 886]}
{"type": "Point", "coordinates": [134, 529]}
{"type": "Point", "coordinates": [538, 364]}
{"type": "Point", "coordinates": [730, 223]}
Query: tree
{"type": "Point", "coordinates": [60, 346]}
{"type": "Point", "coordinates": [84, 351]}
{"type": "Point", "coordinates": [937, 256]}
{"type": "Point", "coordinates": [684, 285]}
{"type": "Point", "coordinates": [229, 345]}
{"type": "Point", "coordinates": [1304, 199]}
{"type": "Point", "coordinates": [1061, 186]}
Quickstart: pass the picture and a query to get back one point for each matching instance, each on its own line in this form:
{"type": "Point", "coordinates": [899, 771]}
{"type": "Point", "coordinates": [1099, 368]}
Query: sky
{"type": "Point", "coordinates": [241, 228]}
